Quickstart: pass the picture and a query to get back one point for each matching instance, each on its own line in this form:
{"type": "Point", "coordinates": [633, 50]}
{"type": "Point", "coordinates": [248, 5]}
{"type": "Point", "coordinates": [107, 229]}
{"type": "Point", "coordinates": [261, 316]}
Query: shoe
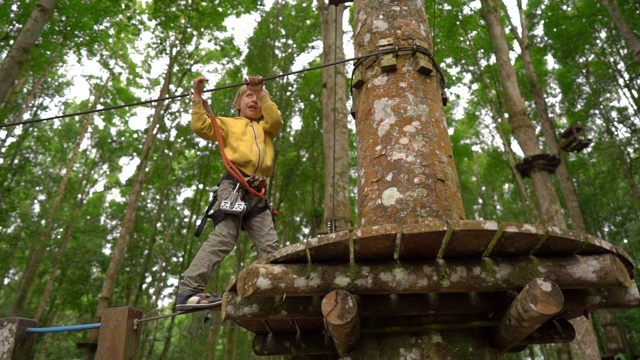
{"type": "Point", "coordinates": [192, 301]}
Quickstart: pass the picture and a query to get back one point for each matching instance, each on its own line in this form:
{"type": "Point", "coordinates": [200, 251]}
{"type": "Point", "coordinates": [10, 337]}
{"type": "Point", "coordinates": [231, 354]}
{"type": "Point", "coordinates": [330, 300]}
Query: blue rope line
{"type": "Point", "coordinates": [63, 328]}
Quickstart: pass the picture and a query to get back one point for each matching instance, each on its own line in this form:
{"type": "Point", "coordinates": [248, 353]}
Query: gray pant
{"type": "Point", "coordinates": [223, 239]}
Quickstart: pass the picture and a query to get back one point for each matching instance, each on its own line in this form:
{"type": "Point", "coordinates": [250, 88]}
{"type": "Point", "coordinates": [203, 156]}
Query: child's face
{"type": "Point", "coordinates": [250, 107]}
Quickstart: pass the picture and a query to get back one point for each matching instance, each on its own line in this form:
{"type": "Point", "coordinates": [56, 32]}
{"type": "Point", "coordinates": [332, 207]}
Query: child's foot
{"type": "Point", "coordinates": [192, 301]}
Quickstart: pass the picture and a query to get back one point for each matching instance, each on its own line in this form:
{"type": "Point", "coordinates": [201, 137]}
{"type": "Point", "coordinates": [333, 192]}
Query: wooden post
{"type": "Point", "coordinates": [340, 311]}
{"type": "Point", "coordinates": [118, 339]}
{"type": "Point", "coordinates": [538, 302]}
{"type": "Point", "coordinates": [15, 342]}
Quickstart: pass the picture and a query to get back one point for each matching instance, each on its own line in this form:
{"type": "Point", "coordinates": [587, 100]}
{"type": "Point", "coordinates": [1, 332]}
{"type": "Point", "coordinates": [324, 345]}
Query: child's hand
{"type": "Point", "coordinates": [198, 87]}
{"type": "Point", "coordinates": [254, 83]}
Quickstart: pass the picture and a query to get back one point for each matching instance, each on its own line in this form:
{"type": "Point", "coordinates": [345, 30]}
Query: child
{"type": "Point", "coordinates": [247, 141]}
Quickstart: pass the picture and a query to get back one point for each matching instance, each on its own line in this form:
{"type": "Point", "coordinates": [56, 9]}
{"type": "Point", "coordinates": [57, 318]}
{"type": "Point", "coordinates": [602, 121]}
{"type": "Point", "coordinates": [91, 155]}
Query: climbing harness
{"type": "Point", "coordinates": [234, 203]}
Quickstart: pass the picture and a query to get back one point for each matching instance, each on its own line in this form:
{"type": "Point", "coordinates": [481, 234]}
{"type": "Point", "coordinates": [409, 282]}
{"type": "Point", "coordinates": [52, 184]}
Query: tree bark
{"type": "Point", "coordinates": [547, 200]}
{"type": "Point", "coordinates": [628, 35]}
{"type": "Point", "coordinates": [340, 311]}
{"type": "Point", "coordinates": [539, 301]}
{"type": "Point", "coordinates": [406, 171]}
{"type": "Point", "coordinates": [565, 180]}
{"type": "Point", "coordinates": [337, 206]}
{"type": "Point", "coordinates": [19, 52]}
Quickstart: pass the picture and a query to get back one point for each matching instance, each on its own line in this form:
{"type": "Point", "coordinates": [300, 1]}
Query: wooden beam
{"type": "Point", "coordinates": [577, 301]}
{"type": "Point", "coordinates": [573, 272]}
{"type": "Point", "coordinates": [290, 344]}
{"type": "Point", "coordinates": [537, 303]}
{"type": "Point", "coordinates": [118, 340]}
{"type": "Point", "coordinates": [340, 311]}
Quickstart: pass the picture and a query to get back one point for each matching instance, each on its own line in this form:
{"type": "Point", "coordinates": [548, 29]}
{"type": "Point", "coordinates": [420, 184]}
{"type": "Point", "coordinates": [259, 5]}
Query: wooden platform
{"type": "Point", "coordinates": [433, 275]}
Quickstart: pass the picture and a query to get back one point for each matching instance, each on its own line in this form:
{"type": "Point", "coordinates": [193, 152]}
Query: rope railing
{"type": "Point", "coordinates": [358, 60]}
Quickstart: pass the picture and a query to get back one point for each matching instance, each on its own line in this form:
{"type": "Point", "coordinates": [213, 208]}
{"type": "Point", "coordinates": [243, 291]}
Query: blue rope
{"type": "Point", "coordinates": [63, 328]}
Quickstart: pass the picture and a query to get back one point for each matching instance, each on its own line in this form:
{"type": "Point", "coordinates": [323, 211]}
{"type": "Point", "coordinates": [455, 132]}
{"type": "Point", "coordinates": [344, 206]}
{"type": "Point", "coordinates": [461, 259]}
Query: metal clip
{"type": "Point", "coordinates": [234, 204]}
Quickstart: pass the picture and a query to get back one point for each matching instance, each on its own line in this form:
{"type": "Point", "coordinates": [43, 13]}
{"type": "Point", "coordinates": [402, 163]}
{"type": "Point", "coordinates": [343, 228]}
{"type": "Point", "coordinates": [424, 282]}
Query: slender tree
{"type": "Point", "coordinates": [337, 207]}
{"type": "Point", "coordinates": [19, 52]}
{"type": "Point", "coordinates": [630, 37]}
{"type": "Point", "coordinates": [549, 208]}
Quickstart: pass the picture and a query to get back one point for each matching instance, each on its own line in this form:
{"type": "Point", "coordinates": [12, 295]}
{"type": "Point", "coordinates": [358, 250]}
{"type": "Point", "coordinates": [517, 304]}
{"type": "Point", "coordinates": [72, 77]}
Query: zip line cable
{"type": "Point", "coordinates": [187, 94]}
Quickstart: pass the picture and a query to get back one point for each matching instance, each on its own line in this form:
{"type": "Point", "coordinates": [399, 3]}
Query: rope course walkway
{"type": "Point", "coordinates": [358, 60]}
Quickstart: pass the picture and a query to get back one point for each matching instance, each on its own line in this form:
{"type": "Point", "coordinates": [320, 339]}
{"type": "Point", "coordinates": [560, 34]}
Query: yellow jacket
{"type": "Point", "coordinates": [247, 143]}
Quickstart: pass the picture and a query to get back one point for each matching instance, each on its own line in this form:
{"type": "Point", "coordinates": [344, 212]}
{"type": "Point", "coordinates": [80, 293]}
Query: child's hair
{"type": "Point", "coordinates": [243, 90]}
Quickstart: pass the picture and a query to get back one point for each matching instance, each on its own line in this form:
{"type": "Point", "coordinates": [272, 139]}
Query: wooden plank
{"type": "Point", "coordinates": [310, 325]}
{"type": "Point", "coordinates": [594, 245]}
{"type": "Point", "coordinates": [469, 238]}
{"type": "Point", "coordinates": [294, 253]}
{"type": "Point", "coordinates": [330, 247]}
{"type": "Point", "coordinates": [559, 242]}
{"type": "Point", "coordinates": [254, 326]}
{"type": "Point", "coordinates": [421, 241]}
{"type": "Point", "coordinates": [514, 239]}
{"type": "Point", "coordinates": [375, 243]}
{"type": "Point", "coordinates": [281, 325]}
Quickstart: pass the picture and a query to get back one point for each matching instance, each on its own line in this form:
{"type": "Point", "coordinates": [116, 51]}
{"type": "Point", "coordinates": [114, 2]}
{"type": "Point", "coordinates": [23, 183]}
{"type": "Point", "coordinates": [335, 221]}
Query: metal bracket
{"type": "Point", "coordinates": [388, 62]}
{"type": "Point", "coordinates": [424, 63]}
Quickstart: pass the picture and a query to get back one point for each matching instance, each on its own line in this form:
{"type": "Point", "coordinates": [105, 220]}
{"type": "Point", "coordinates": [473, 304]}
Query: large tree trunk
{"type": "Point", "coordinates": [628, 35]}
{"type": "Point", "coordinates": [406, 170]}
{"type": "Point", "coordinates": [337, 207]}
{"type": "Point", "coordinates": [19, 52]}
{"type": "Point", "coordinates": [585, 346]}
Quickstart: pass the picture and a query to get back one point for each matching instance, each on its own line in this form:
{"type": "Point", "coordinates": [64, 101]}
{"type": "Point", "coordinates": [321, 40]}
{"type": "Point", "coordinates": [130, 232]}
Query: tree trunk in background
{"type": "Point", "coordinates": [621, 157]}
{"type": "Point", "coordinates": [24, 105]}
{"type": "Point", "coordinates": [38, 249]}
{"type": "Point", "coordinates": [562, 174]}
{"type": "Point", "coordinates": [337, 207]}
{"type": "Point", "coordinates": [628, 35]}
{"type": "Point", "coordinates": [585, 346]}
{"type": "Point", "coordinates": [523, 130]}
{"type": "Point", "coordinates": [128, 221]}
{"type": "Point", "coordinates": [19, 52]}
{"type": "Point", "coordinates": [613, 339]}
